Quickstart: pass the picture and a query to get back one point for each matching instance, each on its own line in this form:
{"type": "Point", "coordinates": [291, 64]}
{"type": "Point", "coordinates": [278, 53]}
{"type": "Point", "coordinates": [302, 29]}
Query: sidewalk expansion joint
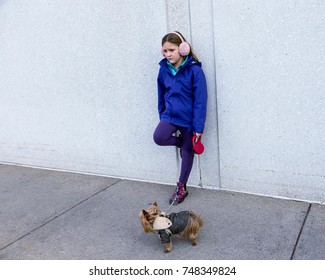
{"type": "Point", "coordinates": [58, 215]}
{"type": "Point", "coordinates": [300, 232]}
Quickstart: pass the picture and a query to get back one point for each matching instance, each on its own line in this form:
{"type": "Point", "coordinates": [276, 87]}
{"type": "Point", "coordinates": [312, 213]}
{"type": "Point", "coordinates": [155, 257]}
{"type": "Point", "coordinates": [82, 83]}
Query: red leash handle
{"type": "Point", "coordinates": [198, 147]}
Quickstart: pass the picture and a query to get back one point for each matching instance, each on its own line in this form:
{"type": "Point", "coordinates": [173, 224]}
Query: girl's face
{"type": "Point", "coordinates": [170, 51]}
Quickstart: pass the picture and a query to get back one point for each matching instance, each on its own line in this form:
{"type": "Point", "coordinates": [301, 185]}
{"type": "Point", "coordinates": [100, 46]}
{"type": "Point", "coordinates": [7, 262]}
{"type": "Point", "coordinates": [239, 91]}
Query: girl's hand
{"type": "Point", "coordinates": [198, 135]}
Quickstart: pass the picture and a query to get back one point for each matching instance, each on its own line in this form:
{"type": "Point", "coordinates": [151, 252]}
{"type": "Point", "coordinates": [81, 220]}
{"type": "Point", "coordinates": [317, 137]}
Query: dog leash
{"type": "Point", "coordinates": [198, 167]}
{"type": "Point", "coordinates": [171, 205]}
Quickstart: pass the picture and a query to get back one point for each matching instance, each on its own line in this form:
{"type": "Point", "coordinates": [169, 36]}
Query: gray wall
{"type": "Point", "coordinates": [78, 90]}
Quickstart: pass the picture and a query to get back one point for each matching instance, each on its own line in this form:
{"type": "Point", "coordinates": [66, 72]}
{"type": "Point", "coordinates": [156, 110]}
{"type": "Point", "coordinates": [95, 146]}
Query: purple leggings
{"type": "Point", "coordinates": [163, 136]}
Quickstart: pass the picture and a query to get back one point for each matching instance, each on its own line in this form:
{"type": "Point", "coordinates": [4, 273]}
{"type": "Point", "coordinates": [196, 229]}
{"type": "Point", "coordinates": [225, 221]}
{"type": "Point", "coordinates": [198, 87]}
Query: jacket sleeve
{"type": "Point", "coordinates": [161, 94]}
{"type": "Point", "coordinates": [200, 101]}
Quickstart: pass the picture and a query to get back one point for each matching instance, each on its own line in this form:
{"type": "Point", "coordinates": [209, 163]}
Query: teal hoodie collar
{"type": "Point", "coordinates": [173, 69]}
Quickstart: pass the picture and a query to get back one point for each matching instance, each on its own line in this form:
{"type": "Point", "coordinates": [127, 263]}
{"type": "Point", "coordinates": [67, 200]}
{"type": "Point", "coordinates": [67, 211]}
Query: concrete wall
{"type": "Point", "coordinates": [271, 96]}
{"type": "Point", "coordinates": [78, 90]}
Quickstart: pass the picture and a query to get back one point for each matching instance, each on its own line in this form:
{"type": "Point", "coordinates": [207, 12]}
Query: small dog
{"type": "Point", "coordinates": [185, 223]}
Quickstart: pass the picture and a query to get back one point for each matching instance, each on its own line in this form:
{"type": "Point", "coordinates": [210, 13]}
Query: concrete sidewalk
{"type": "Point", "coordinates": [58, 215]}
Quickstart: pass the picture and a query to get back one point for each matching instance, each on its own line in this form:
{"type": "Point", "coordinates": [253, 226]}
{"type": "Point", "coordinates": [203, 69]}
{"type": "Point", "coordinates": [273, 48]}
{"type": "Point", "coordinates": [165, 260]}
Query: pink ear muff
{"type": "Point", "coordinates": [184, 49]}
{"type": "Point", "coordinates": [162, 52]}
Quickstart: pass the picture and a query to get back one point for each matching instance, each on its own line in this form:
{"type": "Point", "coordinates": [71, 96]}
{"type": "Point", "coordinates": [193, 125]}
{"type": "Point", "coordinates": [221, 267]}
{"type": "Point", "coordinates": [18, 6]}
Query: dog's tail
{"type": "Point", "coordinates": [197, 220]}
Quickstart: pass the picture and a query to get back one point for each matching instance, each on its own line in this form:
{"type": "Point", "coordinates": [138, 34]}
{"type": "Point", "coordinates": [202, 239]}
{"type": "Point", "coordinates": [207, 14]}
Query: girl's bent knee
{"type": "Point", "coordinates": [158, 139]}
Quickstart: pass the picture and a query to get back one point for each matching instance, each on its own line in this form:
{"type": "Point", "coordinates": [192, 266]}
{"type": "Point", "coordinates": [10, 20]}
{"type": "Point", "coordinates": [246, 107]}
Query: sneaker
{"type": "Point", "coordinates": [179, 194]}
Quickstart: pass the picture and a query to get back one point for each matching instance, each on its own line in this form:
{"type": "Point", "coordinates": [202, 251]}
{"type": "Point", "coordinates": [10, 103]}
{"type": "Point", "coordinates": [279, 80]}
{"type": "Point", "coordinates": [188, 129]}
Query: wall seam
{"type": "Point", "coordinates": [216, 92]}
{"type": "Point", "coordinates": [167, 16]}
{"type": "Point", "coordinates": [190, 20]}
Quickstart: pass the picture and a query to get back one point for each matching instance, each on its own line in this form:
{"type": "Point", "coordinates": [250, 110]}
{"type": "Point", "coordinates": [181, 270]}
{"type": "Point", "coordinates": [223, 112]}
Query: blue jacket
{"type": "Point", "coordinates": [182, 98]}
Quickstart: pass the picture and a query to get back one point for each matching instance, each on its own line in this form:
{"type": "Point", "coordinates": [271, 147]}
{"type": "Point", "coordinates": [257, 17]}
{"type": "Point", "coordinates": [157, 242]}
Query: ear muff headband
{"type": "Point", "coordinates": [184, 48]}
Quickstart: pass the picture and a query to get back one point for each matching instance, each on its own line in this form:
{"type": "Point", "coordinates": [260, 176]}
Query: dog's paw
{"type": "Point", "coordinates": [168, 248]}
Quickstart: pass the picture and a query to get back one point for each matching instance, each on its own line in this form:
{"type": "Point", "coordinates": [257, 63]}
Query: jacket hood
{"type": "Point", "coordinates": [190, 61]}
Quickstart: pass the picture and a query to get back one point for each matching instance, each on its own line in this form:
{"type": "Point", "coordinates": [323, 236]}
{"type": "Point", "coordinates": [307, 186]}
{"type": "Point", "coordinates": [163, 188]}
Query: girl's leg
{"type": "Point", "coordinates": [187, 154]}
{"type": "Point", "coordinates": [187, 162]}
{"type": "Point", "coordinates": [163, 135]}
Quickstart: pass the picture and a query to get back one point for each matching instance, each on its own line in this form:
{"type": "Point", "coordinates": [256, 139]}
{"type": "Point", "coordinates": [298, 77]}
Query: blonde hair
{"type": "Point", "coordinates": [175, 39]}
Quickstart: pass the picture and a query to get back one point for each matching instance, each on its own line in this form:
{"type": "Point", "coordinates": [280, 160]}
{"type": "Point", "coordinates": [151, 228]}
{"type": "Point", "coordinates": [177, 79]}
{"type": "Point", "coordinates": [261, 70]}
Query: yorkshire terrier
{"type": "Point", "coordinates": [185, 224]}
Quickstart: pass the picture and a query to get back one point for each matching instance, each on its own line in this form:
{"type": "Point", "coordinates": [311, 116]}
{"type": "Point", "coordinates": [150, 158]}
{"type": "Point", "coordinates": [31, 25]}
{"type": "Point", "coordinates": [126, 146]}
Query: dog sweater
{"type": "Point", "coordinates": [179, 223]}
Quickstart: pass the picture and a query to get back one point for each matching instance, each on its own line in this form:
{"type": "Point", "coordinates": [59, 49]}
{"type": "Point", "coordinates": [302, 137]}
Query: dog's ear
{"type": "Point", "coordinates": [155, 203]}
{"type": "Point", "coordinates": [145, 213]}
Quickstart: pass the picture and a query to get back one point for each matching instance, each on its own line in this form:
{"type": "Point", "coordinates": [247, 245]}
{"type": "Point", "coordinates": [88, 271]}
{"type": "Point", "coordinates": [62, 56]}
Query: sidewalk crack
{"type": "Point", "coordinates": [300, 232]}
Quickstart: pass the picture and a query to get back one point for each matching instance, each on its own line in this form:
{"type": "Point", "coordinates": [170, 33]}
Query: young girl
{"type": "Point", "coordinates": [182, 101]}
